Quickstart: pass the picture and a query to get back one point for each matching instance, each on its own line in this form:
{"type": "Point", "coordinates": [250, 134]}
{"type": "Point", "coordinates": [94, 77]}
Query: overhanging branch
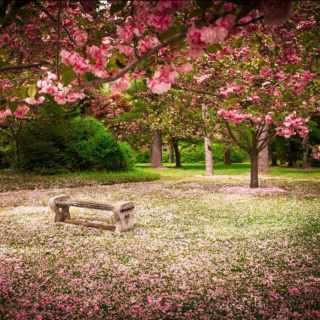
{"type": "Point", "coordinates": [24, 66]}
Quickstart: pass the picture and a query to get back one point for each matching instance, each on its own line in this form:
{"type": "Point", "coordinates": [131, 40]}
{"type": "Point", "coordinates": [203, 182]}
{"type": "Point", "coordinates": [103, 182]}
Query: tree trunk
{"type": "Point", "coordinates": [207, 144]}
{"type": "Point", "coordinates": [208, 154]}
{"type": "Point", "coordinates": [15, 152]}
{"type": "Point", "coordinates": [227, 156]}
{"type": "Point", "coordinates": [156, 149]}
{"type": "Point", "coordinates": [177, 153]}
{"type": "Point", "coordinates": [273, 155]}
{"type": "Point", "coordinates": [171, 154]}
{"type": "Point", "coordinates": [254, 180]}
{"type": "Point", "coordinates": [305, 150]}
{"type": "Point", "coordinates": [264, 153]}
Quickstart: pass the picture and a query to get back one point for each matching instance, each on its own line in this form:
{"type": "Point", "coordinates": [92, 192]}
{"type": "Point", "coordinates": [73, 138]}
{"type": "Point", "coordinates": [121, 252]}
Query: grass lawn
{"type": "Point", "coordinates": [10, 180]}
{"type": "Point", "coordinates": [234, 170]}
{"type": "Point", "coordinates": [196, 252]}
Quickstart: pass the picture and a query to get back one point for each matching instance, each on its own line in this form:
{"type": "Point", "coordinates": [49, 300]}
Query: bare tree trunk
{"type": "Point", "coordinates": [264, 153]}
{"type": "Point", "coordinates": [177, 153]}
{"type": "Point", "coordinates": [208, 154]}
{"type": "Point", "coordinates": [15, 152]}
{"type": "Point", "coordinates": [254, 178]}
{"type": "Point", "coordinates": [171, 154]}
{"type": "Point", "coordinates": [156, 149]}
{"type": "Point", "coordinates": [227, 156]}
{"type": "Point", "coordinates": [273, 155]}
{"type": "Point", "coordinates": [207, 144]}
{"type": "Point", "coordinates": [305, 150]}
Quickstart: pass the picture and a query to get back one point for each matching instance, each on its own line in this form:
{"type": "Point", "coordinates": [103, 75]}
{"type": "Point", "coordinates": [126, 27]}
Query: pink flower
{"type": "Point", "coordinates": [226, 22]}
{"type": "Point", "coordinates": [194, 53]}
{"type": "Point", "coordinates": [34, 100]}
{"type": "Point", "coordinates": [120, 85]}
{"type": "Point", "coordinates": [294, 291]}
{"type": "Point", "coordinates": [185, 68]}
{"type": "Point", "coordinates": [146, 44]}
{"type": "Point", "coordinates": [80, 36]}
{"type": "Point", "coordinates": [127, 50]}
{"type": "Point", "coordinates": [21, 111]}
{"type": "Point", "coordinates": [125, 34]}
{"type": "Point", "coordinates": [157, 86]}
{"type": "Point", "coordinates": [159, 22]}
{"type": "Point", "coordinates": [60, 98]}
{"type": "Point", "coordinates": [5, 113]}
{"type": "Point", "coordinates": [4, 38]}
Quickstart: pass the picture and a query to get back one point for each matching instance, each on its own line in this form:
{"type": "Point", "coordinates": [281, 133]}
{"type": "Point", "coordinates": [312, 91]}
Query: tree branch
{"type": "Point", "coordinates": [24, 66]}
{"type": "Point", "coordinates": [246, 23]}
{"type": "Point", "coordinates": [244, 135]}
{"type": "Point", "coordinates": [132, 65]}
{"type": "Point", "coordinates": [235, 139]}
{"type": "Point", "coordinates": [43, 9]}
{"type": "Point", "coordinates": [267, 140]}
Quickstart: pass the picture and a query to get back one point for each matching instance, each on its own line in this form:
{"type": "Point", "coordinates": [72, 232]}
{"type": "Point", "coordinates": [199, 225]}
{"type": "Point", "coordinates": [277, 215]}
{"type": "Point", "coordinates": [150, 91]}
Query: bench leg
{"type": "Point", "coordinates": [124, 220]}
{"type": "Point", "coordinates": [61, 212]}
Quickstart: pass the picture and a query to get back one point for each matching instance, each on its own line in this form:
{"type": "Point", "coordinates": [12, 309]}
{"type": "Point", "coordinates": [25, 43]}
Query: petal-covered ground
{"type": "Point", "coordinates": [196, 252]}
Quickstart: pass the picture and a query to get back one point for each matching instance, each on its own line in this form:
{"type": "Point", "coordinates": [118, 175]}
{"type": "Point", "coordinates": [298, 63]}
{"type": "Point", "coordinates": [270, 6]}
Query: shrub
{"type": "Point", "coordinates": [129, 159]}
{"type": "Point", "coordinates": [72, 145]}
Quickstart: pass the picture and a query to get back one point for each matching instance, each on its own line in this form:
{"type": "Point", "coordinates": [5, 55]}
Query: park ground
{"type": "Point", "coordinates": [200, 248]}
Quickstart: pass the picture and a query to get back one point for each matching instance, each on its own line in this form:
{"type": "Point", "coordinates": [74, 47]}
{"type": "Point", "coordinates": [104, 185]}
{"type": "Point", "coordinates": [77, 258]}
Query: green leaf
{"type": "Point", "coordinates": [312, 123]}
{"type": "Point", "coordinates": [32, 91]}
{"type": "Point", "coordinates": [23, 92]}
{"type": "Point", "coordinates": [112, 64]}
{"type": "Point", "coordinates": [303, 113]}
{"type": "Point", "coordinates": [13, 105]}
{"type": "Point", "coordinates": [214, 48]}
{"type": "Point", "coordinates": [116, 7]}
{"type": "Point", "coordinates": [68, 77]}
{"type": "Point", "coordinates": [13, 92]}
{"type": "Point", "coordinates": [170, 32]}
{"type": "Point", "coordinates": [88, 76]}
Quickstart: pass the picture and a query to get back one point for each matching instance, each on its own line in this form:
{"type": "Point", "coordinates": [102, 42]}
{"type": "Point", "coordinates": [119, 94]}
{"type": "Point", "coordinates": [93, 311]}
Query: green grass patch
{"type": "Point", "coordinates": [13, 181]}
{"type": "Point", "coordinates": [191, 169]}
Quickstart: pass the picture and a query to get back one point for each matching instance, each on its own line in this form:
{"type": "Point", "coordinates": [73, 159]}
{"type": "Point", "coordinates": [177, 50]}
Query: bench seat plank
{"type": "Point", "coordinates": [85, 204]}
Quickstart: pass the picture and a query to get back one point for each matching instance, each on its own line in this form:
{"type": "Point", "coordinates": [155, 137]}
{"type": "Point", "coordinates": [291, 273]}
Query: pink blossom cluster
{"type": "Point", "coordinates": [80, 36]}
{"type": "Point", "coordinates": [80, 65]}
{"type": "Point", "coordinates": [232, 88]}
{"type": "Point", "coordinates": [147, 44]}
{"type": "Point", "coordinates": [61, 94]}
{"type": "Point", "coordinates": [162, 80]}
{"type": "Point", "coordinates": [232, 115]}
{"type": "Point", "coordinates": [200, 38]}
{"type": "Point", "coordinates": [120, 84]}
{"type": "Point", "coordinates": [292, 125]}
{"type": "Point", "coordinates": [317, 157]}
{"type": "Point", "coordinates": [20, 112]}
{"type": "Point", "coordinates": [35, 100]}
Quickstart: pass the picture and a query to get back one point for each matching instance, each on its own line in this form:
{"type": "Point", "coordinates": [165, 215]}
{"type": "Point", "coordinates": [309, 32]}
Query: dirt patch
{"type": "Point", "coordinates": [248, 190]}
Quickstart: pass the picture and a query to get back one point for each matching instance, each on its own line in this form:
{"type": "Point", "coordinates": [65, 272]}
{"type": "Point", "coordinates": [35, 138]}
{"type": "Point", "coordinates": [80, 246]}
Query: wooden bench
{"type": "Point", "coordinates": [123, 213]}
